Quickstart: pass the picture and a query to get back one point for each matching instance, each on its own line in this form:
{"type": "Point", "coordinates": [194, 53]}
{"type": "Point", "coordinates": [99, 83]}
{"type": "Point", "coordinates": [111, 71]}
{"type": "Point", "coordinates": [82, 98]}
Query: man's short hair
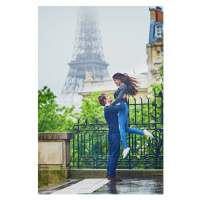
{"type": "Point", "coordinates": [102, 98]}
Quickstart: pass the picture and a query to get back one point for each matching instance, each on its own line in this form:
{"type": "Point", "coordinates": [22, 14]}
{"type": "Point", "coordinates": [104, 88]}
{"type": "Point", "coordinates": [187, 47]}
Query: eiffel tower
{"type": "Point", "coordinates": [87, 56]}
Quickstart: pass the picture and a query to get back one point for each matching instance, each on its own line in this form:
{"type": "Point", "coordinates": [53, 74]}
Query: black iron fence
{"type": "Point", "coordinates": [90, 146]}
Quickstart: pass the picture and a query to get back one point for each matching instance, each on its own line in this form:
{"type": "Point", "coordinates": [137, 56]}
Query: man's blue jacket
{"type": "Point", "coordinates": [111, 116]}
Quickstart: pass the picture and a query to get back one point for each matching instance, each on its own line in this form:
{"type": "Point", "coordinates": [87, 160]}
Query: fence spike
{"type": "Point", "coordinates": [96, 120]}
{"type": "Point", "coordinates": [160, 94]}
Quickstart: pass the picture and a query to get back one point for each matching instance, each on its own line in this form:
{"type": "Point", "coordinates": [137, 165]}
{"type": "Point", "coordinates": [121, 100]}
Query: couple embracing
{"type": "Point", "coordinates": [116, 114]}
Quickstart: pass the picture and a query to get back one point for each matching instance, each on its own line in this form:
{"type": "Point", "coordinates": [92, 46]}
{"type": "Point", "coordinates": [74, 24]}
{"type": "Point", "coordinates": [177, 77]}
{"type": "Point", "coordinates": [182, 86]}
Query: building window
{"type": "Point", "coordinates": [158, 31]}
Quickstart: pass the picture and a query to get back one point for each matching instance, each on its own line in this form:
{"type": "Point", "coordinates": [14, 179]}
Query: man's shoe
{"type": "Point", "coordinates": [118, 179]}
{"type": "Point", "coordinates": [125, 152]}
{"type": "Point", "coordinates": [148, 134]}
{"type": "Point", "coordinates": [114, 178]}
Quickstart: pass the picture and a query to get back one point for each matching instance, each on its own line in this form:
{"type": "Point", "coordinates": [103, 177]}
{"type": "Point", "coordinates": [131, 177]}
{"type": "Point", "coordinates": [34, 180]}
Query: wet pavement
{"type": "Point", "coordinates": [148, 185]}
{"type": "Point", "coordinates": [138, 185]}
{"type": "Point", "coordinates": [51, 188]}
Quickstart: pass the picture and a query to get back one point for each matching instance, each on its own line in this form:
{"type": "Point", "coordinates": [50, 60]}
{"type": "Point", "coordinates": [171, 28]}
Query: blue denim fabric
{"type": "Point", "coordinates": [123, 126]}
{"type": "Point", "coordinates": [114, 149]}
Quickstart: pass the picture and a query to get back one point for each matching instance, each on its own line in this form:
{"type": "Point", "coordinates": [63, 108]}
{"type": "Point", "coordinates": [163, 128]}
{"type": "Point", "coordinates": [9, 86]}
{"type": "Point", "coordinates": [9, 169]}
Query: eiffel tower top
{"type": "Point", "coordinates": [88, 45]}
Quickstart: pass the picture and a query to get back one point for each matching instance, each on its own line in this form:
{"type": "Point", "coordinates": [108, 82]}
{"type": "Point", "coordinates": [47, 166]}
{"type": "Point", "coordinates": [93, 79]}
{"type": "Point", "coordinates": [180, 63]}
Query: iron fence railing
{"type": "Point", "coordinates": [90, 146]}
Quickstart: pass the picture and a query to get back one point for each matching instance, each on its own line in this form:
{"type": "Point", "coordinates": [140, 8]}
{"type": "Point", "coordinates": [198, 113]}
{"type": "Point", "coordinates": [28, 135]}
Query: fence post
{"type": "Point", "coordinates": [78, 141]}
{"type": "Point", "coordinates": [156, 158]}
{"type": "Point", "coordinates": [129, 160]}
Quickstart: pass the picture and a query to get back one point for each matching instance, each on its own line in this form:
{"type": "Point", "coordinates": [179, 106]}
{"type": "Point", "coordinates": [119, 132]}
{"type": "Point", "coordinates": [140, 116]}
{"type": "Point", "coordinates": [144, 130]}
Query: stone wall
{"type": "Point", "coordinates": [53, 157]}
{"type": "Point", "coordinates": [54, 149]}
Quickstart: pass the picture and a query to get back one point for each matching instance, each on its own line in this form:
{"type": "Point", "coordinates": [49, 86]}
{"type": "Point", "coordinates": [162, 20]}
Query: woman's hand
{"type": "Point", "coordinates": [124, 96]}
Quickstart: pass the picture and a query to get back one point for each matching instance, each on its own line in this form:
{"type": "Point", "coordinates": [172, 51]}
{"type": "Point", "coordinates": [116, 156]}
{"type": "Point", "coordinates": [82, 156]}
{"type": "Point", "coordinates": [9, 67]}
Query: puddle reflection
{"type": "Point", "coordinates": [112, 187]}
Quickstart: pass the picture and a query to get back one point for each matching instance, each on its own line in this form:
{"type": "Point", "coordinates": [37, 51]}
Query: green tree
{"type": "Point", "coordinates": [51, 116]}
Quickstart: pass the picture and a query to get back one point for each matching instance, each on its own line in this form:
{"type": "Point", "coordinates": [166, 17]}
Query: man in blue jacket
{"type": "Point", "coordinates": [111, 116]}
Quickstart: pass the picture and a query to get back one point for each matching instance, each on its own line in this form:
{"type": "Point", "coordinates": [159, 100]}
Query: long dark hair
{"type": "Point", "coordinates": [130, 82]}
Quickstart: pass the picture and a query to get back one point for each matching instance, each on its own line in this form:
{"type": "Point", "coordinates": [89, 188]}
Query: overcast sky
{"type": "Point", "coordinates": [124, 33]}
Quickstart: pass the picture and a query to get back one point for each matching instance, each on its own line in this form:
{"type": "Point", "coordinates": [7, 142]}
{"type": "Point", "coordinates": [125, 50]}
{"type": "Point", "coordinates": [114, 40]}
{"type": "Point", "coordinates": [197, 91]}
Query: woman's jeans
{"type": "Point", "coordinates": [123, 126]}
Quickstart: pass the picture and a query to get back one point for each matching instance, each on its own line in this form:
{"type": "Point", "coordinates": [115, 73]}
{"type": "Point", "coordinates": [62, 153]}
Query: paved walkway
{"type": "Point", "coordinates": [140, 185]}
{"type": "Point", "coordinates": [86, 186]}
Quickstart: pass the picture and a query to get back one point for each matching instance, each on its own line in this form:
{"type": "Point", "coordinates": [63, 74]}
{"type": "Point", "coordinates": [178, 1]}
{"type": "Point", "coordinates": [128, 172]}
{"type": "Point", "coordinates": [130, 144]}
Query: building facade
{"type": "Point", "coordinates": [154, 49]}
{"type": "Point", "coordinates": [108, 86]}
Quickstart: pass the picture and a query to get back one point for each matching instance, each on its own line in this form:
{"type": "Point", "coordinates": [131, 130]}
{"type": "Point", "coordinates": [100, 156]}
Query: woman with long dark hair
{"type": "Point", "coordinates": [129, 86]}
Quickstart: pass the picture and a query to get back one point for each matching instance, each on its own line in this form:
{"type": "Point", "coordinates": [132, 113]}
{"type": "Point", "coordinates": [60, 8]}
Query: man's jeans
{"type": "Point", "coordinates": [123, 126]}
{"type": "Point", "coordinates": [114, 149]}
